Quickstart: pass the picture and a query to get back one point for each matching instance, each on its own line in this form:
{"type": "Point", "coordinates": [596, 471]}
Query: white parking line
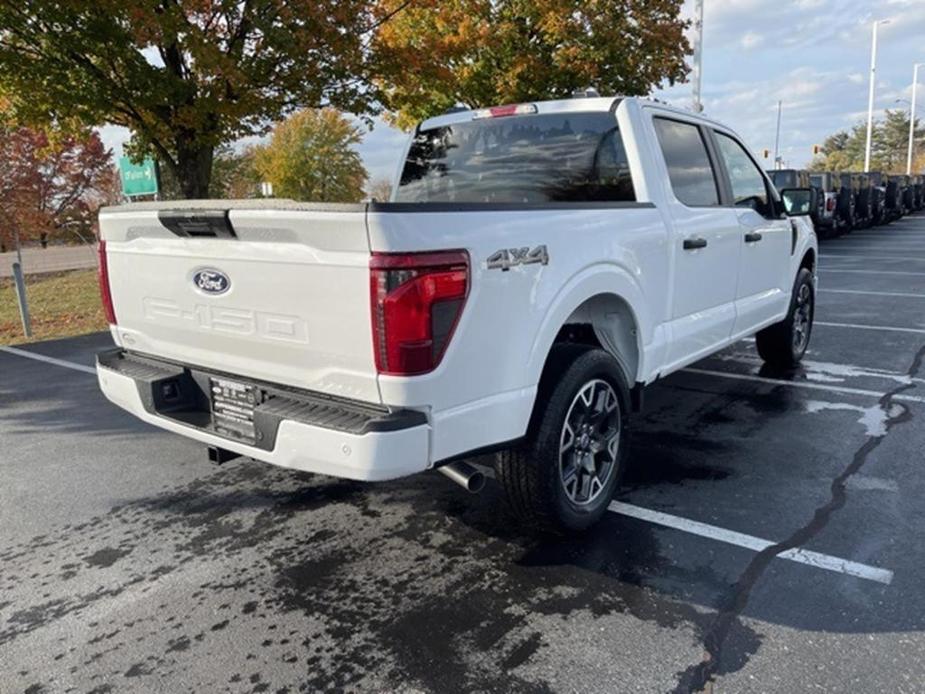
{"type": "Point", "coordinates": [872, 272]}
{"type": "Point", "coordinates": [845, 390]}
{"type": "Point", "coordinates": [878, 328]}
{"type": "Point", "coordinates": [859, 291]}
{"type": "Point", "coordinates": [757, 544]}
{"type": "Point", "coordinates": [48, 360]}
{"type": "Point", "coordinates": [865, 258]}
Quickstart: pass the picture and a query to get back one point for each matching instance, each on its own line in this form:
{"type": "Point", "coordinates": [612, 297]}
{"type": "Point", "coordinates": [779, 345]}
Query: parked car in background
{"type": "Point", "coordinates": [848, 200]}
{"type": "Point", "coordinates": [799, 178]}
{"type": "Point", "coordinates": [907, 193]}
{"type": "Point", "coordinates": [824, 182]}
{"type": "Point", "coordinates": [918, 184]}
{"type": "Point", "coordinates": [894, 197]}
{"type": "Point", "coordinates": [865, 201]}
{"type": "Point", "coordinates": [878, 195]}
{"type": "Point", "coordinates": [488, 306]}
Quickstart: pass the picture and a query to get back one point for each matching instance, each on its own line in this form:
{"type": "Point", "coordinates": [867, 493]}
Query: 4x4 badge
{"type": "Point", "coordinates": [507, 258]}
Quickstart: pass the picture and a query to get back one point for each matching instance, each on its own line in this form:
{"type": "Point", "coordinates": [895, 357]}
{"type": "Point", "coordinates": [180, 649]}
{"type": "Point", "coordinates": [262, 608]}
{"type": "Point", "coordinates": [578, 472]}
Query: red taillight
{"type": "Point", "coordinates": [830, 204]}
{"type": "Point", "coordinates": [105, 293]}
{"type": "Point", "coordinates": [416, 301]}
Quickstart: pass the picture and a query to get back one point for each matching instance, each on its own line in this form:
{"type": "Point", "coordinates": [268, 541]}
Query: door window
{"type": "Point", "coordinates": [689, 168]}
{"type": "Point", "coordinates": [748, 184]}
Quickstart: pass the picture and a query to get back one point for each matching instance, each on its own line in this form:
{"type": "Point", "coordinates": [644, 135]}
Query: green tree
{"type": "Point", "coordinates": [311, 157]}
{"type": "Point", "coordinates": [433, 54]}
{"type": "Point", "coordinates": [844, 151]}
{"type": "Point", "coordinates": [233, 176]}
{"type": "Point", "coordinates": [891, 141]}
{"type": "Point", "coordinates": [184, 75]}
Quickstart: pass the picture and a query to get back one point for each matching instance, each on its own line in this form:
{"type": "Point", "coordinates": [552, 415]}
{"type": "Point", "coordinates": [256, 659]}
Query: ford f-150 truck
{"type": "Point", "coordinates": [538, 265]}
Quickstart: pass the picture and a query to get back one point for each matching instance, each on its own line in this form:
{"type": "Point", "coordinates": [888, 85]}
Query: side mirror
{"type": "Point", "coordinates": [798, 202]}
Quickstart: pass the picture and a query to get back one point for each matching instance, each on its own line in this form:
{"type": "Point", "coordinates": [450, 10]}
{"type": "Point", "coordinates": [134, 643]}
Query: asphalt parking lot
{"type": "Point", "coordinates": [768, 537]}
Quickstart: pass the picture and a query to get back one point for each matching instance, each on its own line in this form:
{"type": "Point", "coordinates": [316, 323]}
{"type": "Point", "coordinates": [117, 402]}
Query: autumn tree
{"type": "Point", "coordinates": [184, 75]}
{"type": "Point", "coordinates": [51, 182]}
{"type": "Point", "coordinates": [311, 156]}
{"type": "Point", "coordinates": [233, 176]}
{"type": "Point", "coordinates": [436, 53]}
{"type": "Point", "coordinates": [380, 189]}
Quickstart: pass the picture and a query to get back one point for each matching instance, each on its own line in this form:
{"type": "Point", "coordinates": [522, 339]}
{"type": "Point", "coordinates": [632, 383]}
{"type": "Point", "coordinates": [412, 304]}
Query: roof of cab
{"type": "Point", "coordinates": [574, 105]}
{"type": "Point", "coordinates": [595, 103]}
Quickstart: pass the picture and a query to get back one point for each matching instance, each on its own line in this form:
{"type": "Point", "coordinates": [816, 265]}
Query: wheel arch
{"type": "Point", "coordinates": [603, 308]}
{"type": "Point", "coordinates": [809, 260]}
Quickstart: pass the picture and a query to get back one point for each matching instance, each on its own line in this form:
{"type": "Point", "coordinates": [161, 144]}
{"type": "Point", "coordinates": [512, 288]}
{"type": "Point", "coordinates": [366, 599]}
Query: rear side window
{"type": "Point", "coordinates": [563, 157]}
{"type": "Point", "coordinates": [748, 184]}
{"type": "Point", "coordinates": [689, 168]}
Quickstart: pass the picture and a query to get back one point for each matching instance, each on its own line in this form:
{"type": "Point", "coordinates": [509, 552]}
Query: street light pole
{"type": "Point", "coordinates": [777, 165]}
{"type": "Point", "coordinates": [870, 99]}
{"type": "Point", "coordinates": [915, 84]}
{"type": "Point", "coordinates": [698, 54]}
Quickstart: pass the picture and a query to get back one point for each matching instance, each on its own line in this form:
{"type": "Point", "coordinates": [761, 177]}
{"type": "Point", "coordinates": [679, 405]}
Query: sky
{"type": "Point", "coordinates": [813, 55]}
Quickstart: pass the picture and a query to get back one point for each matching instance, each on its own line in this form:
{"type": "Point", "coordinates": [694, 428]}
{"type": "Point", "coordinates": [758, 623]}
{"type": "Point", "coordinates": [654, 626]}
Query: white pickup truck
{"type": "Point", "coordinates": [537, 267]}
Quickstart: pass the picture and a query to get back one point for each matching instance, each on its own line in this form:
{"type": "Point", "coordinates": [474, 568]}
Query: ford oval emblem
{"type": "Point", "coordinates": [211, 281]}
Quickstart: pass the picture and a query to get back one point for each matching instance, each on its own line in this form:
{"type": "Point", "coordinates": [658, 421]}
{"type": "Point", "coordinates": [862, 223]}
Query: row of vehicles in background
{"type": "Point", "coordinates": [845, 201]}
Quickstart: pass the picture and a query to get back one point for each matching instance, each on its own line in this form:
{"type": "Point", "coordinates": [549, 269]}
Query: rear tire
{"type": "Point", "coordinates": [564, 475]}
{"type": "Point", "coordinates": [784, 344]}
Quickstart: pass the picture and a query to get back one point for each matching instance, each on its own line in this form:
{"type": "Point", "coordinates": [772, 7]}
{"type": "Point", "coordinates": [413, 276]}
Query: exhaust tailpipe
{"type": "Point", "coordinates": [465, 475]}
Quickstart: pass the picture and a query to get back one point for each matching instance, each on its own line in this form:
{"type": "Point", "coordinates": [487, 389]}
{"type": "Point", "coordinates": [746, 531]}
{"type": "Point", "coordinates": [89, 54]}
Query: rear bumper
{"type": "Point", "coordinates": [295, 429]}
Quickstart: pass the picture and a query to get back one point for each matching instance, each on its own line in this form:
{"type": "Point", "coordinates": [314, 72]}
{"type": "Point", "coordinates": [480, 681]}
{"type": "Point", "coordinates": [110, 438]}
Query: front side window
{"type": "Point", "coordinates": [556, 157]}
{"type": "Point", "coordinates": [689, 169]}
{"type": "Point", "coordinates": [748, 185]}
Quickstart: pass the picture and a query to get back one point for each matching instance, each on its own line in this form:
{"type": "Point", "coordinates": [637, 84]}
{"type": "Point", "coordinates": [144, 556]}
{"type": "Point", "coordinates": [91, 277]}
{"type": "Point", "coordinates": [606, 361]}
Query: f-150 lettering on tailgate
{"type": "Point", "coordinates": [227, 320]}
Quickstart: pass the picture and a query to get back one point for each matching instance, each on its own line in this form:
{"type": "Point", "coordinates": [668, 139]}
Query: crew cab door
{"type": "Point", "coordinates": [766, 238]}
{"type": "Point", "coordinates": [705, 239]}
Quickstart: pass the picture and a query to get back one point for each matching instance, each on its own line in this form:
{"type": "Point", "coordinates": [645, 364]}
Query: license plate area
{"type": "Point", "coordinates": [232, 403]}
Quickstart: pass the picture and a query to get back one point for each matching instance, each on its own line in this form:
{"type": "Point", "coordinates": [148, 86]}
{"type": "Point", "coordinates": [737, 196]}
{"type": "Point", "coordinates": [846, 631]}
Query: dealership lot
{"type": "Point", "coordinates": [768, 537]}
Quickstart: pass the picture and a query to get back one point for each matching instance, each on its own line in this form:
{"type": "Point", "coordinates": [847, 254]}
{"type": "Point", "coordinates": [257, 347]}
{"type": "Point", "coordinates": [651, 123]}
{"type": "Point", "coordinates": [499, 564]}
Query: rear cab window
{"type": "Point", "coordinates": [555, 157]}
{"type": "Point", "coordinates": [690, 171]}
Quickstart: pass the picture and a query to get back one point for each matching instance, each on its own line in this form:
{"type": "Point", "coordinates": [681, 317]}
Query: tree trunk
{"type": "Point", "coordinates": [194, 169]}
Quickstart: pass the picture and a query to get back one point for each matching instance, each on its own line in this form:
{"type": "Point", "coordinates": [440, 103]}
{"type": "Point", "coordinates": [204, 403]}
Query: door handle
{"type": "Point", "coordinates": [752, 237]}
{"type": "Point", "coordinates": [694, 243]}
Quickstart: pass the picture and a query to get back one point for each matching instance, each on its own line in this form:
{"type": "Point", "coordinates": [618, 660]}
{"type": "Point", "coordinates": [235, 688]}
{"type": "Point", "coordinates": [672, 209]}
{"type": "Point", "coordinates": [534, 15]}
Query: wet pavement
{"type": "Point", "coordinates": [129, 563]}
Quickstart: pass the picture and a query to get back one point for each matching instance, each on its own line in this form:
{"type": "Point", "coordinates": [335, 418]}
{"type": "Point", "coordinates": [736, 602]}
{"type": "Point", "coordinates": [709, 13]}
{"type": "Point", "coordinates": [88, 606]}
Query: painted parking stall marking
{"type": "Point", "coordinates": [757, 544]}
{"type": "Point", "coordinates": [872, 272]}
{"type": "Point", "coordinates": [844, 390]}
{"type": "Point", "coordinates": [904, 295]}
{"type": "Point", "coordinates": [48, 360]}
{"type": "Point", "coordinates": [809, 558]}
{"type": "Point", "coordinates": [878, 328]}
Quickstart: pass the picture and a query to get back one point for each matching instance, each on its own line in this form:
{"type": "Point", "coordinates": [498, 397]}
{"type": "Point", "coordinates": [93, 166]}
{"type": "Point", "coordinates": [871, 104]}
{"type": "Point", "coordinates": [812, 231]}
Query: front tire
{"type": "Point", "coordinates": [564, 475]}
{"type": "Point", "coordinates": [783, 344]}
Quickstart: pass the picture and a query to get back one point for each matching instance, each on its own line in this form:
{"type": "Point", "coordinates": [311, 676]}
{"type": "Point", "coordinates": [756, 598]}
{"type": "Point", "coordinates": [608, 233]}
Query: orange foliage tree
{"type": "Point", "coordinates": [432, 54]}
{"type": "Point", "coordinates": [51, 183]}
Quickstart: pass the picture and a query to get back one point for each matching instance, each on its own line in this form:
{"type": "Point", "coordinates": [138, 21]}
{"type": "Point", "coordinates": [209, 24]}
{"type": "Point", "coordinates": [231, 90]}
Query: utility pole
{"type": "Point", "coordinates": [870, 98]}
{"type": "Point", "coordinates": [777, 165]}
{"type": "Point", "coordinates": [698, 55]}
{"type": "Point", "coordinates": [915, 84]}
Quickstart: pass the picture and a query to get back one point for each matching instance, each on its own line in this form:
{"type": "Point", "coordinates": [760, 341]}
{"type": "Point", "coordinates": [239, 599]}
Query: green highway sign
{"type": "Point", "coordinates": [138, 179]}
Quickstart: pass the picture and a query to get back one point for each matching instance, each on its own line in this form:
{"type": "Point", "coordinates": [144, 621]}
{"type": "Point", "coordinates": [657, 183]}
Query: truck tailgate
{"type": "Point", "coordinates": [276, 294]}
